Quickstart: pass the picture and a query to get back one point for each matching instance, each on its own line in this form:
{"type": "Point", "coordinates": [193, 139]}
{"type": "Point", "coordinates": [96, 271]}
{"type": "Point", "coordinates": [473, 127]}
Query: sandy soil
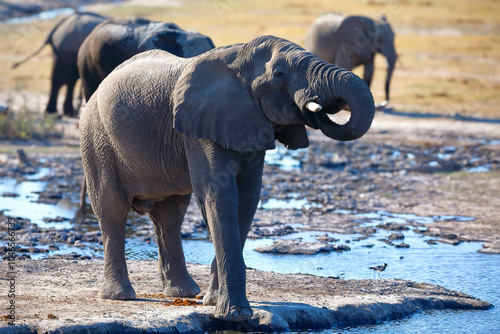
{"type": "Point", "coordinates": [66, 301]}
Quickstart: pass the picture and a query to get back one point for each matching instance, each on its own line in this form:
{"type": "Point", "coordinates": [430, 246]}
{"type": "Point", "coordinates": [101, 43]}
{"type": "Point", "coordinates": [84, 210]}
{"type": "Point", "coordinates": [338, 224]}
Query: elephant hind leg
{"type": "Point", "coordinates": [58, 79]}
{"type": "Point", "coordinates": [72, 77]}
{"type": "Point", "coordinates": [111, 208]}
{"type": "Point", "coordinates": [167, 217]}
{"type": "Point", "coordinates": [113, 222]}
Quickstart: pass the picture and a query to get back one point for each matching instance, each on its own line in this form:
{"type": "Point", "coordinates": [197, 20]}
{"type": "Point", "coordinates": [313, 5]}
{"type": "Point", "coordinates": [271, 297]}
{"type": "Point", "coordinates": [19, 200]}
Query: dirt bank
{"type": "Point", "coordinates": [61, 296]}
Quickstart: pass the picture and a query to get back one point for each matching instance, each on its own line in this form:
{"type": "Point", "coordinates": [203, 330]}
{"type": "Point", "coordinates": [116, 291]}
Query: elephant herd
{"type": "Point", "coordinates": [169, 115]}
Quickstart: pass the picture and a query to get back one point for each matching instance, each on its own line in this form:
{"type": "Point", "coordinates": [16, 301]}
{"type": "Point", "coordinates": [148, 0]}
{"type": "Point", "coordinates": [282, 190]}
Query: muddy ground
{"type": "Point", "coordinates": [69, 304]}
{"type": "Point", "coordinates": [426, 167]}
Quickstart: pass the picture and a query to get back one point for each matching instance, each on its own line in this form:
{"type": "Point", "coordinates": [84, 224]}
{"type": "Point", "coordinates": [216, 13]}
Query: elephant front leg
{"type": "Point", "coordinates": [167, 217]}
{"type": "Point", "coordinates": [249, 183]}
{"type": "Point", "coordinates": [221, 216]}
{"type": "Point", "coordinates": [216, 191]}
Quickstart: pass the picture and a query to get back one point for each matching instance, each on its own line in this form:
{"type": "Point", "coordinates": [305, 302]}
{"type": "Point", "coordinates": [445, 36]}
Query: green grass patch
{"type": "Point", "coordinates": [28, 125]}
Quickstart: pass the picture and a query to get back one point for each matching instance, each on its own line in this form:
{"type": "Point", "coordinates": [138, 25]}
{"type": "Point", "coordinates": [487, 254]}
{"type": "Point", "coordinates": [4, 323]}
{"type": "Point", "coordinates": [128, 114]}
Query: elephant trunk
{"type": "Point", "coordinates": [391, 58]}
{"type": "Point", "coordinates": [339, 88]}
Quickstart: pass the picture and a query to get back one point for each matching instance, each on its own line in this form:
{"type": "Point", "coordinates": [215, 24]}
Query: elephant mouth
{"type": "Point", "coordinates": [330, 106]}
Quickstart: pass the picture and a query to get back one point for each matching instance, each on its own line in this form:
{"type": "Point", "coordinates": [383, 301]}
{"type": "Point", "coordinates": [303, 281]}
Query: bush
{"type": "Point", "coordinates": [28, 125]}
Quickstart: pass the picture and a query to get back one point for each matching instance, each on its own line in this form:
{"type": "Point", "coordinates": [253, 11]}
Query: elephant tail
{"type": "Point", "coordinates": [48, 40]}
{"type": "Point", "coordinates": [83, 193]}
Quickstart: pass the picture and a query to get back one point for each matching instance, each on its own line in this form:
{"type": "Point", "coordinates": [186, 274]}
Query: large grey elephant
{"type": "Point", "coordinates": [161, 127]}
{"type": "Point", "coordinates": [116, 40]}
{"type": "Point", "coordinates": [352, 41]}
{"type": "Point", "coordinates": [66, 38]}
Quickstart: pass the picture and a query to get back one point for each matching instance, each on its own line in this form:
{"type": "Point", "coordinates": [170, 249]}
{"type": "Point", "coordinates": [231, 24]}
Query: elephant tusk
{"type": "Point", "coordinates": [345, 107]}
{"type": "Point", "coordinates": [313, 106]}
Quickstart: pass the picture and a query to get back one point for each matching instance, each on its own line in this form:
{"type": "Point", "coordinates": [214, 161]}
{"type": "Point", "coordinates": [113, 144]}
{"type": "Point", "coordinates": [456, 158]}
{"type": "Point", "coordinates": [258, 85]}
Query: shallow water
{"type": "Point", "coordinates": [45, 15]}
{"type": "Point", "coordinates": [458, 267]}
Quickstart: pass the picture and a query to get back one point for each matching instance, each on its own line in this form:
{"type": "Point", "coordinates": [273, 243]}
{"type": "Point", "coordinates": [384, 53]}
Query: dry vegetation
{"type": "Point", "coordinates": [449, 50]}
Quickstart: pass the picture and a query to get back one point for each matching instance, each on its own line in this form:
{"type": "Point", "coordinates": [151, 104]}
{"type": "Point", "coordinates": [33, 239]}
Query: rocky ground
{"type": "Point", "coordinates": [66, 301]}
{"type": "Point", "coordinates": [420, 167]}
{"type": "Point", "coordinates": [423, 167]}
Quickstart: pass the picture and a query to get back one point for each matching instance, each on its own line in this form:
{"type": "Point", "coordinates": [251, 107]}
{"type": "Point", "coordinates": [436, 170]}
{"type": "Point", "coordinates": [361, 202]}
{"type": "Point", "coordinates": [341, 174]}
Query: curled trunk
{"type": "Point", "coordinates": [333, 88]}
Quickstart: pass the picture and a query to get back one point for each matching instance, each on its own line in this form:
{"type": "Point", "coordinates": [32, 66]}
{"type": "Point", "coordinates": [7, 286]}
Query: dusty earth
{"type": "Point", "coordinates": [60, 296]}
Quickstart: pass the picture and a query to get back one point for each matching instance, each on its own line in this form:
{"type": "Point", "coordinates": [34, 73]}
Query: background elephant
{"type": "Point", "coordinates": [161, 127]}
{"type": "Point", "coordinates": [351, 41]}
{"type": "Point", "coordinates": [115, 41]}
{"type": "Point", "coordinates": [66, 38]}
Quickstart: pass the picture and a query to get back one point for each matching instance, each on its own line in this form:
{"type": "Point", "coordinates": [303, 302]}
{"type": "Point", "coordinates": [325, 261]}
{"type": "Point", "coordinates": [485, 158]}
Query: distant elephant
{"type": "Point", "coordinates": [66, 38]}
{"type": "Point", "coordinates": [352, 41]}
{"type": "Point", "coordinates": [160, 127]}
{"type": "Point", "coordinates": [116, 40]}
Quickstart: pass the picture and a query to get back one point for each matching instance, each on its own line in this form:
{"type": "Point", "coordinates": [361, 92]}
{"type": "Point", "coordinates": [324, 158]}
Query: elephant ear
{"type": "Point", "coordinates": [211, 102]}
{"type": "Point", "coordinates": [293, 136]}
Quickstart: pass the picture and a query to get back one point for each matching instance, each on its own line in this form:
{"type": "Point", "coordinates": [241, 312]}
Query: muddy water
{"type": "Point", "coordinates": [458, 267]}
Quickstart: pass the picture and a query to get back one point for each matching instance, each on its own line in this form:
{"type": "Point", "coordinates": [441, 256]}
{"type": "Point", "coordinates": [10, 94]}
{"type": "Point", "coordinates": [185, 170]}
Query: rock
{"type": "Point", "coordinates": [491, 248]}
{"type": "Point", "coordinates": [402, 245]}
{"type": "Point", "coordinates": [259, 232]}
{"type": "Point", "coordinates": [8, 194]}
{"type": "Point", "coordinates": [393, 227]}
{"type": "Point", "coordinates": [453, 242]}
{"type": "Point", "coordinates": [396, 236]}
{"type": "Point", "coordinates": [341, 248]}
{"type": "Point", "coordinates": [295, 246]}
{"type": "Point", "coordinates": [57, 219]}
{"type": "Point", "coordinates": [326, 238]}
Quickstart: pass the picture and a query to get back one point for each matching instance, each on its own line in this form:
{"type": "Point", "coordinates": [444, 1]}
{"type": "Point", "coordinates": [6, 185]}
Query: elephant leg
{"type": "Point", "coordinates": [167, 217]}
{"type": "Point", "coordinates": [68, 107]}
{"type": "Point", "coordinates": [249, 187]}
{"type": "Point", "coordinates": [111, 209]}
{"type": "Point", "coordinates": [368, 72]}
{"type": "Point", "coordinates": [57, 81]}
{"type": "Point", "coordinates": [213, 177]}
{"type": "Point", "coordinates": [116, 281]}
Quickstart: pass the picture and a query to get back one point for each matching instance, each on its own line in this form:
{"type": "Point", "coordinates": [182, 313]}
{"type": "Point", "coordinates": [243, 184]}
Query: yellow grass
{"type": "Point", "coordinates": [449, 49]}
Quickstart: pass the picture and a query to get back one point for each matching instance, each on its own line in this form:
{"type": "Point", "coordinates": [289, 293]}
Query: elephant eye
{"type": "Point", "coordinates": [279, 74]}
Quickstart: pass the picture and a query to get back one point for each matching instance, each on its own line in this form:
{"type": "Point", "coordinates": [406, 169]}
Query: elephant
{"type": "Point", "coordinates": [352, 41]}
{"type": "Point", "coordinates": [160, 128]}
{"type": "Point", "coordinates": [66, 38]}
{"type": "Point", "coordinates": [116, 40]}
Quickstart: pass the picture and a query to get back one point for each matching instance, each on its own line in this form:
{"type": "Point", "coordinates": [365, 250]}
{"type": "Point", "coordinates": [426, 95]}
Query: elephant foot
{"type": "Point", "coordinates": [210, 298]}
{"type": "Point", "coordinates": [229, 311]}
{"type": "Point", "coordinates": [187, 289]}
{"type": "Point", "coordinates": [116, 290]}
{"type": "Point", "coordinates": [235, 314]}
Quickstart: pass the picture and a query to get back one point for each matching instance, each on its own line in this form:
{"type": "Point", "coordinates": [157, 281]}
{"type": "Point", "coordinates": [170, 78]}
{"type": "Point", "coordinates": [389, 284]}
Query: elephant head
{"type": "Point", "coordinates": [116, 40]}
{"type": "Point", "coordinates": [266, 89]}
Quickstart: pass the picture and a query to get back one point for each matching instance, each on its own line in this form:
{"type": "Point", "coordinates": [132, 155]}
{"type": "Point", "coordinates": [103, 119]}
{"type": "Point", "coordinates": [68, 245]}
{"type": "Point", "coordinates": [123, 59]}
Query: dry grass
{"type": "Point", "coordinates": [449, 50]}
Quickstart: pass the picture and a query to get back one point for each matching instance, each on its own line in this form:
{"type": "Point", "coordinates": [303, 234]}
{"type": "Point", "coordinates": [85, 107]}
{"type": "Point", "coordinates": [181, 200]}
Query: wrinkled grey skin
{"type": "Point", "coordinates": [352, 41]}
{"type": "Point", "coordinates": [66, 38]}
{"type": "Point", "coordinates": [117, 40]}
{"type": "Point", "coordinates": [161, 127]}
